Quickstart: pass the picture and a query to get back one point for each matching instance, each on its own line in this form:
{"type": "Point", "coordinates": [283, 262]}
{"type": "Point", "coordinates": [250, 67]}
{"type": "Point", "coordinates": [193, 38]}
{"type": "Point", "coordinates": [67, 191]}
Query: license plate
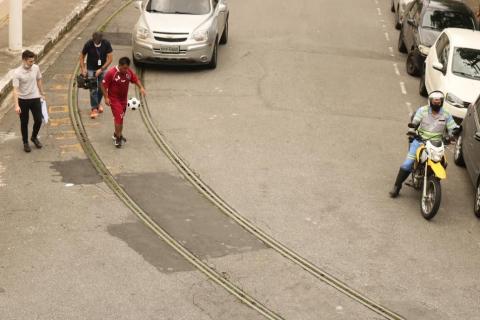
{"type": "Point", "coordinates": [170, 49]}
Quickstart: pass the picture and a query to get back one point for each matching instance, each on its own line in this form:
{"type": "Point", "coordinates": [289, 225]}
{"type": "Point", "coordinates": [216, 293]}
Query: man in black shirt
{"type": "Point", "coordinates": [99, 56]}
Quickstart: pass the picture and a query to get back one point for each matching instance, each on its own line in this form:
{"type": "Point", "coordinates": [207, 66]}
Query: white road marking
{"type": "Point", "coordinates": [403, 88]}
{"type": "Point", "coordinates": [395, 67]}
{"type": "Point", "coordinates": [2, 171]}
{"type": "Point", "coordinates": [376, 1]}
{"type": "Point", "coordinates": [390, 49]}
{"type": "Point", "coordinates": [384, 26]}
{"type": "Point", "coordinates": [409, 107]}
{"type": "Point", "coordinates": [379, 11]}
{"type": "Point", "coordinates": [387, 36]}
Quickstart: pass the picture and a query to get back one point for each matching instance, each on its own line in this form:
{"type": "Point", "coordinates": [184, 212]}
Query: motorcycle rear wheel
{"type": "Point", "coordinates": [430, 203]}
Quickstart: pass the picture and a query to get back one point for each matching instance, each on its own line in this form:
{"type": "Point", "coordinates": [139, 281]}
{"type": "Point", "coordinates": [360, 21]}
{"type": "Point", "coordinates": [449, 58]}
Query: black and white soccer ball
{"type": "Point", "coordinates": [133, 103]}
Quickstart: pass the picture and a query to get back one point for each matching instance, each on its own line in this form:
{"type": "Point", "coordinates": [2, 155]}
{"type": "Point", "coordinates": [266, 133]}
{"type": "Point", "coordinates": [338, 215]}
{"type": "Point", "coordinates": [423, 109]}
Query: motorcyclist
{"type": "Point", "coordinates": [432, 121]}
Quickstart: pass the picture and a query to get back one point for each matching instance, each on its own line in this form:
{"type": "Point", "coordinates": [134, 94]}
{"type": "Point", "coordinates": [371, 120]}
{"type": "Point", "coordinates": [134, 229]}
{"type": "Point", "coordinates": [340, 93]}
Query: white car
{"type": "Point", "coordinates": [453, 67]}
{"type": "Point", "coordinates": [399, 7]}
{"type": "Point", "coordinates": [180, 31]}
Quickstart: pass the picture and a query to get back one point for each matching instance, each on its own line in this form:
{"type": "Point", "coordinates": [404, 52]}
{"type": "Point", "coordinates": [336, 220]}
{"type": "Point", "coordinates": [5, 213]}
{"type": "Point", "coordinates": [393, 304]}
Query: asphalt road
{"type": "Point", "coordinates": [302, 130]}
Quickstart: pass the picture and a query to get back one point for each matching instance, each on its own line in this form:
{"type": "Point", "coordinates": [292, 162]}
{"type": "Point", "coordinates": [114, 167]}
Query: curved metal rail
{"type": "Point", "coordinates": [274, 244]}
{"type": "Point", "coordinates": [109, 179]}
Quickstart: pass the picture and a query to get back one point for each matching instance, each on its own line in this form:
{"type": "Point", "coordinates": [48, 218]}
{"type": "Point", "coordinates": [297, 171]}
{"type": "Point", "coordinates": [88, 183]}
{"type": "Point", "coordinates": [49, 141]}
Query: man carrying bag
{"type": "Point", "coordinates": [98, 52]}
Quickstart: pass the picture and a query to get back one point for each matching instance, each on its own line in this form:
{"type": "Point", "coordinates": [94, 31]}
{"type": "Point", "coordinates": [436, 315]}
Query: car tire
{"type": "Point", "coordinates": [422, 88]}
{"type": "Point", "coordinates": [401, 44]}
{"type": "Point", "coordinates": [476, 205]}
{"type": "Point", "coordinates": [214, 60]}
{"type": "Point", "coordinates": [224, 38]}
{"type": "Point", "coordinates": [412, 68]}
{"type": "Point", "coordinates": [458, 152]}
{"type": "Point", "coordinates": [136, 63]}
{"type": "Point", "coordinates": [398, 25]}
{"type": "Point", "coordinates": [392, 8]}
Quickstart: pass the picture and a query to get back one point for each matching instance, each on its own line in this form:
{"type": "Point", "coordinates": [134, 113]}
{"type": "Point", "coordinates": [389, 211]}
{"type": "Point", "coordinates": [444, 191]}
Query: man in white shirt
{"type": "Point", "coordinates": [27, 95]}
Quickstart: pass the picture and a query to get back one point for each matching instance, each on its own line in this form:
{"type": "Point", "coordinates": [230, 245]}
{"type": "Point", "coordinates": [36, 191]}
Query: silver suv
{"type": "Point", "coordinates": [180, 31]}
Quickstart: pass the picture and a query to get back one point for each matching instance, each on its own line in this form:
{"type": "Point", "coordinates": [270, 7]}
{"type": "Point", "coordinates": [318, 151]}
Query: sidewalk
{"type": "Point", "coordinates": [4, 7]}
{"type": "Point", "coordinates": [44, 23]}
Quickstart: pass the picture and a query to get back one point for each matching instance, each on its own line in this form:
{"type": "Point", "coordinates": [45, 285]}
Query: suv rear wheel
{"type": "Point", "coordinates": [401, 44]}
{"type": "Point", "coordinates": [412, 68]}
{"type": "Point", "coordinates": [476, 207]}
{"type": "Point", "coordinates": [224, 38]}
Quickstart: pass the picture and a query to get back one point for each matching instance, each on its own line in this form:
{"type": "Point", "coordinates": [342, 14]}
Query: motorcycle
{"type": "Point", "coordinates": [428, 170]}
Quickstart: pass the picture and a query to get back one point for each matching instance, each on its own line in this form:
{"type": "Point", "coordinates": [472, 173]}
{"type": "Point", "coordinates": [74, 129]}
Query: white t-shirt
{"type": "Point", "coordinates": [25, 81]}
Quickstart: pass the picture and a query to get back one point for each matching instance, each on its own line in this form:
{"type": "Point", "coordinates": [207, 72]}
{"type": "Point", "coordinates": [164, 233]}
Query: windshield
{"type": "Point", "coordinates": [439, 20]}
{"type": "Point", "coordinates": [466, 63]}
{"type": "Point", "coordinates": [179, 6]}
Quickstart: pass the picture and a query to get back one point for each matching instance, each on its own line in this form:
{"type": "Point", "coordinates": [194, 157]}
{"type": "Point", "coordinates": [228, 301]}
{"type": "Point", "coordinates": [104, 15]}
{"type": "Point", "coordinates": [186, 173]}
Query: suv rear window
{"type": "Point", "coordinates": [439, 20]}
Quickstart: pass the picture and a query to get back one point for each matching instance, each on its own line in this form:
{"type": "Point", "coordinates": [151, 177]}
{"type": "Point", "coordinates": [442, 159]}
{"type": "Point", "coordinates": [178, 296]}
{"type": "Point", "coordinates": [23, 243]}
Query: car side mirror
{"type": "Point", "coordinates": [477, 136]}
{"type": "Point", "coordinates": [138, 5]}
{"type": "Point", "coordinates": [222, 7]}
{"type": "Point", "coordinates": [412, 126]}
{"type": "Point", "coordinates": [411, 22]}
{"type": "Point", "coordinates": [438, 66]}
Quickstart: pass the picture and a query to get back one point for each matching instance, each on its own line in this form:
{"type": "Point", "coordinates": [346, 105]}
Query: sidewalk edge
{"type": "Point", "coordinates": [48, 43]}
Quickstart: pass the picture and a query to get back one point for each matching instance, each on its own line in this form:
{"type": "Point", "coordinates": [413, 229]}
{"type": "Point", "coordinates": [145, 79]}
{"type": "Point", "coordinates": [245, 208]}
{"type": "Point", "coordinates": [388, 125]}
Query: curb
{"type": "Point", "coordinates": [49, 41]}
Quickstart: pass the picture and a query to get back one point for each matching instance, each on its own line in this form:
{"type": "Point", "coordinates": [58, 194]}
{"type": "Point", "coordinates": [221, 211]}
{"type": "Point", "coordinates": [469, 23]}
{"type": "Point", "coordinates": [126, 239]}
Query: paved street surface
{"type": "Point", "coordinates": [301, 129]}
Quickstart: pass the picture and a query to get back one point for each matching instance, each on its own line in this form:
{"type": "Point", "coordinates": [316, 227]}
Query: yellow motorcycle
{"type": "Point", "coordinates": [428, 171]}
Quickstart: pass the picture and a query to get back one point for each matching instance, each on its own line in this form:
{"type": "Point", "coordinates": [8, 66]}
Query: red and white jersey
{"type": "Point", "coordinates": [117, 83]}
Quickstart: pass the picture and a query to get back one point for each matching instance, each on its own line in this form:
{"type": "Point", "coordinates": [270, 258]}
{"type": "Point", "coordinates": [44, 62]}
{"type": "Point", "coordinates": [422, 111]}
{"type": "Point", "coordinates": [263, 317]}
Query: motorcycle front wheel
{"type": "Point", "coordinates": [430, 203]}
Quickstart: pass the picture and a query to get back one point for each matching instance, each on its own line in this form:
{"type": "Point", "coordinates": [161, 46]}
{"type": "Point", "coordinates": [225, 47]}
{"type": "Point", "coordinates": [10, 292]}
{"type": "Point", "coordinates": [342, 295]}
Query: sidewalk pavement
{"type": "Point", "coordinates": [4, 9]}
{"type": "Point", "coordinates": [44, 24]}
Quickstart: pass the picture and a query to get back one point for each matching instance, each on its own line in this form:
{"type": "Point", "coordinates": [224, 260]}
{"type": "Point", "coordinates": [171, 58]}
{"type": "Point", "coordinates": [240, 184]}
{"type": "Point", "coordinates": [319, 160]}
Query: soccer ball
{"type": "Point", "coordinates": [133, 103]}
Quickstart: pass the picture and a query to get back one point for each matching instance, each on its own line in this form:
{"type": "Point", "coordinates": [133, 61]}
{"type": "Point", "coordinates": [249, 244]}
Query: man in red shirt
{"type": "Point", "coordinates": [115, 86]}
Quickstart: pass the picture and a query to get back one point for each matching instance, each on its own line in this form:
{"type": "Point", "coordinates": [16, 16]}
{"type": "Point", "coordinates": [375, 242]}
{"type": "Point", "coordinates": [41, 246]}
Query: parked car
{"type": "Point", "coordinates": [180, 31]}
{"type": "Point", "coordinates": [423, 22]}
{"type": "Point", "coordinates": [467, 149]}
{"type": "Point", "coordinates": [453, 67]}
{"type": "Point", "coordinates": [399, 7]}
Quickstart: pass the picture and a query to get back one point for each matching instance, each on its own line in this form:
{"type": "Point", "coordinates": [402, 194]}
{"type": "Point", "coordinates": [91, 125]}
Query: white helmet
{"type": "Point", "coordinates": [133, 103]}
{"type": "Point", "coordinates": [436, 95]}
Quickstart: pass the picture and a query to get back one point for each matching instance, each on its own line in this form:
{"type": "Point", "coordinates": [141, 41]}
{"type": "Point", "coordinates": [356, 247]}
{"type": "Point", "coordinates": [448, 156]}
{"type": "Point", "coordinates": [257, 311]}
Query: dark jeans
{"type": "Point", "coordinates": [27, 105]}
{"type": "Point", "coordinates": [96, 95]}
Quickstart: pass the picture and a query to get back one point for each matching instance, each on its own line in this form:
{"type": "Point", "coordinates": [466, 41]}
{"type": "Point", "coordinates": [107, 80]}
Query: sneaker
{"type": "Point", "coordinates": [118, 142]}
{"type": "Point", "coordinates": [36, 142]}
{"type": "Point", "coordinates": [94, 114]}
{"type": "Point", "coordinates": [122, 138]}
{"type": "Point", "coordinates": [26, 147]}
{"type": "Point", "coordinates": [100, 109]}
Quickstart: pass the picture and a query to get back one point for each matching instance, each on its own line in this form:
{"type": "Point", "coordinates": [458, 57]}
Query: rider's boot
{"type": "Point", "coordinates": [401, 177]}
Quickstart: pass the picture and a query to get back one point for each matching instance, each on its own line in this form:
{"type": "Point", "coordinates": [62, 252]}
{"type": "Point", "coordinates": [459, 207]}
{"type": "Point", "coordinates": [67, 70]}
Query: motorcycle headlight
{"type": "Point", "coordinates": [423, 49]}
{"type": "Point", "coordinates": [454, 100]}
{"type": "Point", "coordinates": [143, 33]}
{"type": "Point", "coordinates": [200, 35]}
{"type": "Point", "coordinates": [435, 155]}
